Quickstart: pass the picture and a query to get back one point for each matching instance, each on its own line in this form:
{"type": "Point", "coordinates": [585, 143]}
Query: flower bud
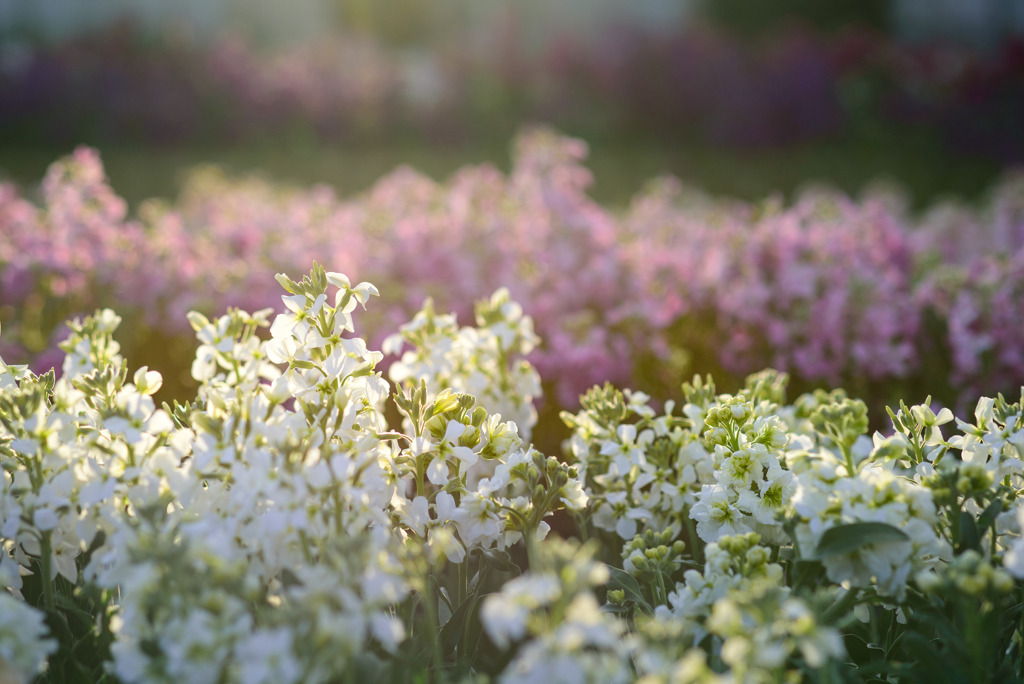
{"type": "Point", "coordinates": [970, 584]}
{"type": "Point", "coordinates": [1001, 581]}
{"type": "Point", "coordinates": [757, 555]}
{"type": "Point", "coordinates": [478, 417]}
{"type": "Point", "coordinates": [928, 581]}
{"type": "Point", "coordinates": [639, 560]}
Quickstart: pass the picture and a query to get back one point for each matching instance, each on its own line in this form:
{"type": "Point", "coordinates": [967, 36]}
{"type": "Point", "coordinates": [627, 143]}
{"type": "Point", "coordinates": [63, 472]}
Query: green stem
{"type": "Point", "coordinates": [851, 471]}
{"type": "Point", "coordinates": [530, 538]}
{"type": "Point", "coordinates": [696, 543]}
{"type": "Point", "coordinates": [420, 469]}
{"type": "Point", "coordinates": [434, 630]}
{"type": "Point", "coordinates": [464, 588]}
{"type": "Point", "coordinates": [581, 526]}
{"type": "Point", "coordinates": [46, 570]}
{"type": "Point", "coordinates": [663, 598]}
{"type": "Point", "coordinates": [1020, 627]}
{"type": "Point", "coordinates": [837, 609]}
{"type": "Point", "coordinates": [463, 581]}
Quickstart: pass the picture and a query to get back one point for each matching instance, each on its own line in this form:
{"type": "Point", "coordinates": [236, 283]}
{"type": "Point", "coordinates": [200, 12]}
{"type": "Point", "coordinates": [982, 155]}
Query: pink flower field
{"type": "Point", "coordinates": [830, 288]}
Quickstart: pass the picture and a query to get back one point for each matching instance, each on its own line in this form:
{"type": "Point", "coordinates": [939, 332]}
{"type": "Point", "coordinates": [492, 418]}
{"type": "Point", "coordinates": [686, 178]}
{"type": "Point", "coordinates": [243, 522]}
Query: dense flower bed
{"type": "Point", "coordinates": [830, 289]}
{"type": "Point", "coordinates": [280, 527]}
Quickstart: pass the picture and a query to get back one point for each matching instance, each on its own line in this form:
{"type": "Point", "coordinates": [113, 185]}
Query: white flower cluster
{"type": "Point", "coordinates": [746, 618]}
{"type": "Point", "coordinates": [970, 575]}
{"type": "Point", "coordinates": [762, 634]}
{"type": "Point", "coordinates": [261, 533]}
{"type": "Point", "coordinates": [763, 627]}
{"type": "Point", "coordinates": [862, 487]}
{"type": "Point", "coordinates": [721, 463]}
{"type": "Point", "coordinates": [526, 487]}
{"type": "Point", "coordinates": [24, 645]}
{"type": "Point", "coordinates": [278, 529]}
{"type": "Point", "coordinates": [639, 467]}
{"type": "Point", "coordinates": [79, 451]}
{"type": "Point", "coordinates": [250, 513]}
{"type": "Point", "coordinates": [229, 353]}
{"type": "Point", "coordinates": [196, 609]}
{"type": "Point", "coordinates": [874, 494]}
{"type": "Point", "coordinates": [752, 485]}
{"type": "Point", "coordinates": [567, 637]}
{"type": "Point", "coordinates": [485, 361]}
{"type": "Point", "coordinates": [731, 563]}
{"type": "Point", "coordinates": [995, 441]}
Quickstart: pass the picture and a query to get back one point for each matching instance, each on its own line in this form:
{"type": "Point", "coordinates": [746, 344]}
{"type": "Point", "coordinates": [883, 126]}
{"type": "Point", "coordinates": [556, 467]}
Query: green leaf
{"type": "Point", "coordinates": [452, 630]}
{"type": "Point", "coordinates": [846, 538]}
{"type": "Point", "coordinates": [806, 572]}
{"type": "Point", "coordinates": [499, 560]}
{"type": "Point", "coordinates": [475, 579]}
{"type": "Point", "coordinates": [442, 595]}
{"type": "Point", "coordinates": [988, 517]}
{"type": "Point", "coordinates": [614, 609]}
{"type": "Point", "coordinates": [970, 538]}
{"type": "Point", "coordinates": [623, 580]}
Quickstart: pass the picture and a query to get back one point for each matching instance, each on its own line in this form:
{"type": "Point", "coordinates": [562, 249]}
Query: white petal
{"type": "Point", "coordinates": [296, 303]}
{"type": "Point", "coordinates": [453, 431]}
{"type": "Point", "coordinates": [437, 472]}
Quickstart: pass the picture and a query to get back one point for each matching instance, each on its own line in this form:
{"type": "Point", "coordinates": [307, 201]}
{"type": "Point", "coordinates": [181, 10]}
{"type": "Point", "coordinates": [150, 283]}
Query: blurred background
{"type": "Point", "coordinates": [737, 97]}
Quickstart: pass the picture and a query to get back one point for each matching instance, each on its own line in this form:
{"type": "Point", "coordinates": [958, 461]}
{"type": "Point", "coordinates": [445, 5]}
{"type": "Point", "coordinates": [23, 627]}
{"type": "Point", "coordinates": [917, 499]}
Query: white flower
{"type": "Point", "coordinates": [874, 494]}
{"type": "Point", "coordinates": [1013, 559]}
{"type": "Point", "coordinates": [388, 630]}
{"type": "Point", "coordinates": [716, 514]}
{"type": "Point", "coordinates": [574, 496]}
{"type": "Point", "coordinates": [266, 657]}
{"type": "Point", "coordinates": [24, 642]}
{"type": "Point", "coordinates": [415, 514]}
{"type": "Point", "coordinates": [296, 323]}
{"type": "Point", "coordinates": [616, 514]}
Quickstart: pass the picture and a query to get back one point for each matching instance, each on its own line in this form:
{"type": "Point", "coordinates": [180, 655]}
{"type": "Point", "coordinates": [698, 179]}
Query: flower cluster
{"type": "Point", "coordinates": [828, 288]}
{"type": "Point", "coordinates": [553, 609]}
{"type": "Point", "coordinates": [24, 646]}
{"type": "Point", "coordinates": [846, 481]}
{"type": "Point", "coordinates": [639, 468]}
{"type": "Point", "coordinates": [752, 488]}
{"type": "Point", "coordinates": [251, 534]}
{"type": "Point", "coordinates": [763, 628]}
{"type": "Point", "coordinates": [486, 361]}
{"type": "Point", "coordinates": [871, 495]}
{"type": "Point", "coordinates": [652, 558]}
{"type": "Point", "coordinates": [285, 525]}
{"type": "Point", "coordinates": [79, 450]}
{"type": "Point", "coordinates": [763, 634]}
{"type": "Point", "coordinates": [731, 563]}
